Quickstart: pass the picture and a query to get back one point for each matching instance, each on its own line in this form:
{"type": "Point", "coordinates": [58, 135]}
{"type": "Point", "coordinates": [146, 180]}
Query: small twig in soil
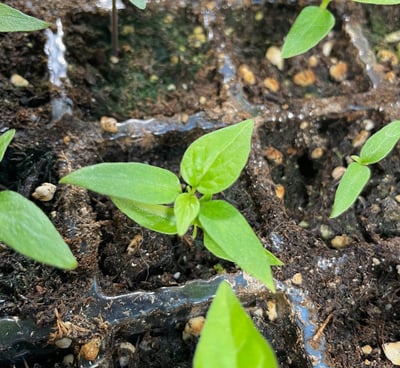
{"type": "Point", "coordinates": [321, 328]}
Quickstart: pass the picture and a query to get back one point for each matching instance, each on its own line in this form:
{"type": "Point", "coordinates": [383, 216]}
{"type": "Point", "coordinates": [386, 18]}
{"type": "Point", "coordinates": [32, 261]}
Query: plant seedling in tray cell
{"type": "Point", "coordinates": [26, 229]}
{"type": "Point", "coordinates": [153, 197]}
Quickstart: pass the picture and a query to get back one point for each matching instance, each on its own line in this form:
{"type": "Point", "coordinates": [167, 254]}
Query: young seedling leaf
{"type": "Point", "coordinates": [311, 26]}
{"type": "Point", "coordinates": [214, 248]}
{"type": "Point", "coordinates": [379, 2]}
{"type": "Point", "coordinates": [379, 145]}
{"type": "Point", "coordinates": [141, 4]}
{"type": "Point", "coordinates": [5, 140]}
{"type": "Point", "coordinates": [129, 180]}
{"type": "Point", "coordinates": [226, 227]}
{"type": "Point", "coordinates": [186, 209]}
{"type": "Point", "coordinates": [12, 20]}
{"type": "Point", "coordinates": [229, 338]}
{"type": "Point", "coordinates": [352, 183]}
{"type": "Point", "coordinates": [27, 230]}
{"type": "Point", "coordinates": [152, 216]}
{"type": "Point", "coordinates": [213, 162]}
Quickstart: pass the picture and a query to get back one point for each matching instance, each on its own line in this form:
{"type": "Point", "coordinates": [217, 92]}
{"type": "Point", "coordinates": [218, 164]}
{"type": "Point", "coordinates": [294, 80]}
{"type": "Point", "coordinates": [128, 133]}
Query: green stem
{"type": "Point", "coordinates": [325, 4]}
{"type": "Point", "coordinates": [114, 29]}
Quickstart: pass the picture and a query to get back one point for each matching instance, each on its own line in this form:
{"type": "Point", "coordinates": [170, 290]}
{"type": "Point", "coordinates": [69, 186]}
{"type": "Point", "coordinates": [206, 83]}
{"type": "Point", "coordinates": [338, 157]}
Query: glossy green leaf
{"type": "Point", "coordinates": [12, 20]}
{"type": "Point", "coordinates": [379, 145]}
{"type": "Point", "coordinates": [152, 216]}
{"type": "Point", "coordinates": [352, 183]}
{"type": "Point", "coordinates": [213, 162]}
{"type": "Point", "coordinates": [379, 2]}
{"type": "Point", "coordinates": [5, 140]}
{"type": "Point", "coordinates": [186, 209]}
{"type": "Point", "coordinates": [129, 180]}
{"type": "Point", "coordinates": [229, 338]}
{"type": "Point", "coordinates": [214, 248]}
{"type": "Point", "coordinates": [311, 26]}
{"type": "Point", "coordinates": [27, 230]}
{"type": "Point", "coordinates": [226, 227]}
{"type": "Point", "coordinates": [141, 4]}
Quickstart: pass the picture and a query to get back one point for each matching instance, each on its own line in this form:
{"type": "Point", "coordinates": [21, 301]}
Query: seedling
{"type": "Point", "coordinates": [375, 149]}
{"type": "Point", "coordinates": [153, 197]}
{"type": "Point", "coordinates": [27, 230]}
{"type": "Point", "coordinates": [12, 20]}
{"type": "Point", "coordinates": [313, 24]}
{"type": "Point", "coordinates": [229, 338]}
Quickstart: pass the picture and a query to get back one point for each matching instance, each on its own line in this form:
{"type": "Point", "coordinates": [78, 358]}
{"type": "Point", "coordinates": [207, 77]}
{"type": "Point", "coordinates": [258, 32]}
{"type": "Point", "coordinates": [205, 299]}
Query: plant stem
{"type": "Point", "coordinates": [325, 4]}
{"type": "Point", "coordinates": [114, 29]}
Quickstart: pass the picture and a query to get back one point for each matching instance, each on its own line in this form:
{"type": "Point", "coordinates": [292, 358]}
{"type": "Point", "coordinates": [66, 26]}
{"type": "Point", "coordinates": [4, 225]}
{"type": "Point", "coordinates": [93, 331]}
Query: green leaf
{"type": "Point", "coordinates": [141, 4]}
{"type": "Point", "coordinates": [152, 216]}
{"type": "Point", "coordinates": [352, 183]}
{"type": "Point", "coordinates": [186, 209]}
{"type": "Point", "coordinates": [214, 248]}
{"type": "Point", "coordinates": [12, 20]}
{"type": "Point", "coordinates": [5, 140]}
{"type": "Point", "coordinates": [379, 2]}
{"type": "Point", "coordinates": [213, 162]}
{"type": "Point", "coordinates": [310, 27]}
{"type": "Point", "coordinates": [226, 227]}
{"type": "Point", "coordinates": [27, 230]}
{"type": "Point", "coordinates": [379, 145]}
{"type": "Point", "coordinates": [229, 338]}
{"type": "Point", "coordinates": [129, 180]}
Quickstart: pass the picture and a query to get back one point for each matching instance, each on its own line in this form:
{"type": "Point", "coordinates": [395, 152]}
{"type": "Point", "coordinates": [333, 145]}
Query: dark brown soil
{"type": "Point", "coordinates": [286, 192]}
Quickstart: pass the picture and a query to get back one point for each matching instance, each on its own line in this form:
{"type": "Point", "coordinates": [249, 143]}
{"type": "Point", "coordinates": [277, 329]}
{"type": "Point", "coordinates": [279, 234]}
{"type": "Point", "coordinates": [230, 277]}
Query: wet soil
{"type": "Point", "coordinates": [183, 85]}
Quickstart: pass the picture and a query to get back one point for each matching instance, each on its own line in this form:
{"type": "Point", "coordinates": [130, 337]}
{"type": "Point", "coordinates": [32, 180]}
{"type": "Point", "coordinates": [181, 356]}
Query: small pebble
{"type": "Point", "coordinates": [338, 72]}
{"type": "Point", "coordinates": [393, 37]}
{"type": "Point", "coordinates": [313, 61]}
{"type": "Point", "coordinates": [246, 75]}
{"type": "Point", "coordinates": [176, 275]}
{"type": "Point", "coordinates": [272, 314]}
{"type": "Point", "coordinates": [388, 56]}
{"type": "Point", "coordinates": [392, 351]}
{"type": "Point", "coordinates": [280, 191]}
{"type": "Point", "coordinates": [126, 352]}
{"type": "Point", "coordinates": [202, 100]}
{"type": "Point", "coordinates": [18, 81]}
{"type": "Point", "coordinates": [317, 153]}
{"type": "Point", "coordinates": [91, 349]}
{"type": "Point", "coordinates": [340, 241]}
{"type": "Point", "coordinates": [368, 125]}
{"type": "Point", "coordinates": [68, 360]}
{"type": "Point", "coordinates": [108, 124]}
{"type": "Point", "coordinates": [360, 138]}
{"type": "Point", "coordinates": [304, 78]}
{"type": "Point", "coordinates": [326, 232]}
{"type": "Point", "coordinates": [64, 343]}
{"type": "Point", "coordinates": [274, 56]}
{"type": "Point", "coordinates": [44, 192]}
{"type": "Point", "coordinates": [193, 328]}
{"type": "Point", "coordinates": [327, 48]}
{"type": "Point", "coordinates": [273, 155]}
{"type": "Point", "coordinates": [338, 172]}
{"type": "Point", "coordinates": [397, 198]}
{"type": "Point", "coordinates": [271, 84]}
{"type": "Point", "coordinates": [259, 16]}
{"type": "Point", "coordinates": [297, 279]}
{"type": "Point", "coordinates": [366, 349]}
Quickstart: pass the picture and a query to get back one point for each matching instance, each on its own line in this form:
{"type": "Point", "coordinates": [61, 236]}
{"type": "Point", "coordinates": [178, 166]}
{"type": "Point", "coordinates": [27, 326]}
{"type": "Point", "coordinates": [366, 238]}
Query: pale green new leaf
{"type": "Point", "coordinates": [151, 216]}
{"type": "Point", "coordinates": [229, 338]}
{"type": "Point", "coordinates": [213, 162]}
{"type": "Point", "coordinates": [5, 140]}
{"type": "Point", "coordinates": [379, 145]}
{"type": "Point", "coordinates": [379, 2]}
{"type": "Point", "coordinates": [141, 4]}
{"type": "Point", "coordinates": [226, 227]}
{"type": "Point", "coordinates": [27, 230]}
{"type": "Point", "coordinates": [311, 26]}
{"type": "Point", "coordinates": [12, 20]}
{"type": "Point", "coordinates": [352, 183]}
{"type": "Point", "coordinates": [186, 209]}
{"type": "Point", "coordinates": [129, 180]}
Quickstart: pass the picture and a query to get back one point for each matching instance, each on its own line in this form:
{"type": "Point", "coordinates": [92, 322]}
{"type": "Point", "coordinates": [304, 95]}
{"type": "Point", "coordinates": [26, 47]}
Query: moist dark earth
{"type": "Point", "coordinates": [186, 69]}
